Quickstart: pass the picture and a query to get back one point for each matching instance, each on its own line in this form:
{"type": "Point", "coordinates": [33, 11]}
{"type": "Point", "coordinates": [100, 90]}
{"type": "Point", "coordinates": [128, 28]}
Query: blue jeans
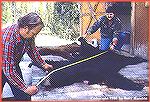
{"type": "Point", "coordinates": [105, 42]}
{"type": "Point", "coordinates": [19, 95]}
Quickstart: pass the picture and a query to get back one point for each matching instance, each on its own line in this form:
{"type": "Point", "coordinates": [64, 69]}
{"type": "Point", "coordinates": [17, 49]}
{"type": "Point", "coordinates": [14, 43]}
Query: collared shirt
{"type": "Point", "coordinates": [14, 47]}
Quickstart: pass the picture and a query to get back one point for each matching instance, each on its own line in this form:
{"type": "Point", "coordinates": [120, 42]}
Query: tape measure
{"type": "Point", "coordinates": [75, 63]}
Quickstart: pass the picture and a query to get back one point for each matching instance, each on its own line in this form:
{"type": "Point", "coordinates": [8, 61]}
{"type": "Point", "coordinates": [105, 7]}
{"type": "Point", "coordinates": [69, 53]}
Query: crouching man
{"type": "Point", "coordinates": [110, 27]}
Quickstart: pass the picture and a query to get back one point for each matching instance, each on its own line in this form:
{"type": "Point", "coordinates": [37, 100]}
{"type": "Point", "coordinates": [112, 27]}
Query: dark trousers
{"type": "Point", "coordinates": [18, 94]}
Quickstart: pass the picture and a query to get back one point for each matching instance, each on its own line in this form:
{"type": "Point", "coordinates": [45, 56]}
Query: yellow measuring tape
{"type": "Point", "coordinates": [69, 66]}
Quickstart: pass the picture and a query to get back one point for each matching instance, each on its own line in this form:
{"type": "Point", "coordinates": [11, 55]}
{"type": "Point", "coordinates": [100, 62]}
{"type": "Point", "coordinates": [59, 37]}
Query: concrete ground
{"type": "Point", "coordinates": [82, 91]}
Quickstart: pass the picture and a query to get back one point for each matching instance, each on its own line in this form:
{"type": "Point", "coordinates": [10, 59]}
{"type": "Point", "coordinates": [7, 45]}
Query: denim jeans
{"type": "Point", "coordinates": [105, 43]}
{"type": "Point", "coordinates": [122, 39]}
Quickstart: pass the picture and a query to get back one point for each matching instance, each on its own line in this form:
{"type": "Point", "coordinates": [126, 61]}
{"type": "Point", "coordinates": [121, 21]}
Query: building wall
{"type": "Point", "coordinates": [87, 18]}
{"type": "Point", "coordinates": [140, 27]}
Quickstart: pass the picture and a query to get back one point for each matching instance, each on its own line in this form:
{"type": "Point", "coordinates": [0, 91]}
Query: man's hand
{"type": "Point", "coordinates": [113, 44]}
{"type": "Point", "coordinates": [47, 67]}
{"type": "Point", "coordinates": [115, 41]}
{"type": "Point", "coordinates": [31, 90]}
{"type": "Point", "coordinates": [112, 47]}
{"type": "Point", "coordinates": [84, 35]}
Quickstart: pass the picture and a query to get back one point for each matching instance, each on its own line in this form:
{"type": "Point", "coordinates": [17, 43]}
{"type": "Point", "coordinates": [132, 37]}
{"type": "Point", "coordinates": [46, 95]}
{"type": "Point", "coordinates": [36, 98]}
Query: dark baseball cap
{"type": "Point", "coordinates": [110, 9]}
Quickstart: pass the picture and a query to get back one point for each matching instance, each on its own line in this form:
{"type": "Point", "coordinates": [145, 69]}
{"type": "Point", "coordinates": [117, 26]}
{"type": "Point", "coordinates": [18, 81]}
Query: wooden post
{"type": "Point", "coordinates": [133, 31]}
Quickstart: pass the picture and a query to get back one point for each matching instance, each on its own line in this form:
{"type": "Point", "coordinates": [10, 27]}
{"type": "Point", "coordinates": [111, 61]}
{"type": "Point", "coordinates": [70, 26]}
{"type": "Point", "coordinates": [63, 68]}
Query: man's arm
{"type": "Point", "coordinates": [95, 26]}
{"type": "Point", "coordinates": [117, 29]}
{"type": "Point", "coordinates": [118, 25]}
{"type": "Point", "coordinates": [36, 57]}
{"type": "Point", "coordinates": [9, 67]}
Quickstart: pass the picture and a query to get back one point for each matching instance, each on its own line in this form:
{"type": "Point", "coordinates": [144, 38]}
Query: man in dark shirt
{"type": "Point", "coordinates": [109, 25]}
{"type": "Point", "coordinates": [16, 40]}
